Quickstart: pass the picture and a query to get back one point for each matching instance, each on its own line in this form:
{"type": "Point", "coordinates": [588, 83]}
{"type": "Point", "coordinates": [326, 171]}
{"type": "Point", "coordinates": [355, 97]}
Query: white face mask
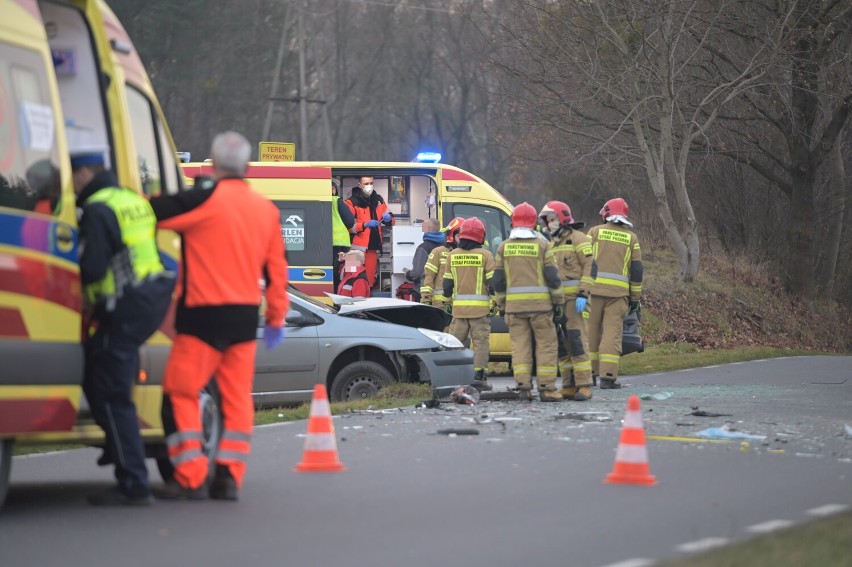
{"type": "Point", "coordinates": [368, 189]}
{"type": "Point", "coordinates": [553, 225]}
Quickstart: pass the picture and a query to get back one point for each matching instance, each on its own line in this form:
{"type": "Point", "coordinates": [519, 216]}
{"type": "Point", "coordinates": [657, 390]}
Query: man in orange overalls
{"type": "Point", "coordinates": [231, 241]}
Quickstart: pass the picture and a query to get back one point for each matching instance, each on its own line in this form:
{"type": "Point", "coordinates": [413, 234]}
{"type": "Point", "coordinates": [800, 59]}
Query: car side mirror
{"type": "Point", "coordinates": [295, 318]}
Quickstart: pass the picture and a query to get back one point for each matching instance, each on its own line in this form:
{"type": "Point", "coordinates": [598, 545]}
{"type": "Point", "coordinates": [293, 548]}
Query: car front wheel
{"type": "Point", "coordinates": [359, 380]}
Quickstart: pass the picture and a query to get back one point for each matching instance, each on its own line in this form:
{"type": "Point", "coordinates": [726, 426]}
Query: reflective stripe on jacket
{"type": "Point", "coordinates": [575, 258]}
{"type": "Point", "coordinates": [526, 278]}
{"type": "Point", "coordinates": [619, 260]}
{"type": "Point", "coordinates": [432, 287]}
{"type": "Point", "coordinates": [467, 276]}
{"type": "Point", "coordinates": [139, 258]}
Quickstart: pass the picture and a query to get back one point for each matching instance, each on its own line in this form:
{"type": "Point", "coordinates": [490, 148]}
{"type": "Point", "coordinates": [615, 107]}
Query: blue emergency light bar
{"type": "Point", "coordinates": [428, 157]}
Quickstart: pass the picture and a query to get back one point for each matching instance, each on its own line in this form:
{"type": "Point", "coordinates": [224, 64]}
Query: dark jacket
{"type": "Point", "coordinates": [431, 240]}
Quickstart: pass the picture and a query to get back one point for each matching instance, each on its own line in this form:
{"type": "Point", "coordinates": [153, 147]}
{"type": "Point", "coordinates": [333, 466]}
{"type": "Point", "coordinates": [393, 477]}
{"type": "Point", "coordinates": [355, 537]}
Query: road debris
{"type": "Point", "coordinates": [659, 396]}
{"type": "Point", "coordinates": [701, 413]}
{"type": "Point", "coordinates": [467, 395]}
{"type": "Point", "coordinates": [455, 432]}
{"type": "Point", "coordinates": [586, 416]}
{"type": "Point", "coordinates": [726, 432]}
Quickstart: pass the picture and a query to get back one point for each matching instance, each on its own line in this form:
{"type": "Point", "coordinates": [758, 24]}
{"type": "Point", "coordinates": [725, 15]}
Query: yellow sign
{"type": "Point", "coordinates": [277, 151]}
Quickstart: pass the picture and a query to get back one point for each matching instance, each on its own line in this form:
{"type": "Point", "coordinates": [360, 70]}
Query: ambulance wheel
{"type": "Point", "coordinates": [5, 467]}
{"type": "Point", "coordinates": [212, 425]}
{"type": "Point", "coordinates": [359, 380]}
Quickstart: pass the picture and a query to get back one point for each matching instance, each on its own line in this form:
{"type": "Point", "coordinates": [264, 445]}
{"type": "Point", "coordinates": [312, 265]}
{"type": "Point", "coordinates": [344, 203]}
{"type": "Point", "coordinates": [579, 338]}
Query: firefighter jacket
{"type": "Point", "coordinates": [342, 221]}
{"type": "Point", "coordinates": [432, 286]}
{"type": "Point", "coordinates": [577, 269]}
{"type": "Point", "coordinates": [469, 269]}
{"type": "Point", "coordinates": [231, 240]}
{"type": "Point", "coordinates": [365, 209]}
{"type": "Point", "coordinates": [619, 261]}
{"type": "Point", "coordinates": [526, 278]}
{"type": "Point", "coordinates": [118, 232]}
{"type": "Point", "coordinates": [431, 240]}
{"type": "Point", "coordinates": [354, 284]}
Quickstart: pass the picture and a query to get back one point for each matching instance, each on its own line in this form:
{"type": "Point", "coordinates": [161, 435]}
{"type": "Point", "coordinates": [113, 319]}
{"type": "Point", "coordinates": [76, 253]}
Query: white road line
{"type": "Point", "coordinates": [827, 510]}
{"type": "Point", "coordinates": [702, 544]}
{"type": "Point", "coordinates": [769, 526]}
{"type": "Point", "coordinates": [637, 562]}
{"type": "Point", "coordinates": [714, 366]}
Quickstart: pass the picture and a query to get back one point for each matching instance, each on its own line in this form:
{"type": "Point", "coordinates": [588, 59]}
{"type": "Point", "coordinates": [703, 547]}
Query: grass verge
{"type": "Point", "coordinates": [826, 542]}
{"type": "Point", "coordinates": [393, 396]}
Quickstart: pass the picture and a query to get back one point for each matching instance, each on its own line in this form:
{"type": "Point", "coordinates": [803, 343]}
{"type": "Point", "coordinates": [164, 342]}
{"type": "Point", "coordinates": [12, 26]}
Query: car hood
{"type": "Point", "coordinates": [397, 311]}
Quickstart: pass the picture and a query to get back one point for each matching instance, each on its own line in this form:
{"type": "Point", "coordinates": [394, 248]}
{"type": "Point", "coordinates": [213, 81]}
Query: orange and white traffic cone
{"type": "Point", "coordinates": [631, 459]}
{"type": "Point", "coordinates": [321, 445]}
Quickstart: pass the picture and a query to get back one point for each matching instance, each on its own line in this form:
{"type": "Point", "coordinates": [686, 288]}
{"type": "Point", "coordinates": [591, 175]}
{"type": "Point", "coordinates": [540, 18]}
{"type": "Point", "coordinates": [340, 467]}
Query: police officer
{"type": "Point", "coordinates": [577, 269]}
{"type": "Point", "coordinates": [127, 292]}
{"type": "Point", "coordinates": [469, 269]}
{"type": "Point", "coordinates": [529, 291]}
{"type": "Point", "coordinates": [617, 289]}
{"type": "Point", "coordinates": [432, 288]}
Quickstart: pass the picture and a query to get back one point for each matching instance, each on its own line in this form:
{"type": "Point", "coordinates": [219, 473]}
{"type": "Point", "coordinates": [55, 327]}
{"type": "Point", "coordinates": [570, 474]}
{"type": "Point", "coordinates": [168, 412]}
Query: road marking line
{"type": "Point", "coordinates": [714, 366]}
{"type": "Point", "coordinates": [702, 544]}
{"type": "Point", "coordinates": [637, 562]}
{"type": "Point", "coordinates": [687, 439]}
{"type": "Point", "coordinates": [827, 510]}
{"type": "Point", "coordinates": [769, 526]}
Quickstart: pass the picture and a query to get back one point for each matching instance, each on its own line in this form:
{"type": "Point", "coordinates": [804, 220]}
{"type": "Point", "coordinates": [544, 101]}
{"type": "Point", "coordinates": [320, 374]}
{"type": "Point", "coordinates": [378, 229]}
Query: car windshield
{"type": "Point", "coordinates": [308, 299]}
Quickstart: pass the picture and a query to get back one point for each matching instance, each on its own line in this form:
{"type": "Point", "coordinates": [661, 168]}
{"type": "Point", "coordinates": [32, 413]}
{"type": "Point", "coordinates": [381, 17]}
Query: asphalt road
{"type": "Point", "coordinates": [527, 489]}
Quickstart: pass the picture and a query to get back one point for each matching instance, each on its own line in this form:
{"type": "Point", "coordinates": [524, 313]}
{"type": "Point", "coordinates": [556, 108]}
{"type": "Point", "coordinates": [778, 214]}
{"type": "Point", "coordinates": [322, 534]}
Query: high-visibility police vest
{"type": "Point", "coordinates": [339, 232]}
{"type": "Point", "coordinates": [139, 258]}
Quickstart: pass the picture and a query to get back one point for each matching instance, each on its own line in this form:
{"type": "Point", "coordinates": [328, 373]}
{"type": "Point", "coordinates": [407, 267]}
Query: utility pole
{"type": "Point", "coordinates": [303, 103]}
{"type": "Point", "coordinates": [267, 124]}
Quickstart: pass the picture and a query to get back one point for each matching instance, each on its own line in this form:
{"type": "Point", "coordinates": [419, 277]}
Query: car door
{"type": "Point", "coordinates": [288, 372]}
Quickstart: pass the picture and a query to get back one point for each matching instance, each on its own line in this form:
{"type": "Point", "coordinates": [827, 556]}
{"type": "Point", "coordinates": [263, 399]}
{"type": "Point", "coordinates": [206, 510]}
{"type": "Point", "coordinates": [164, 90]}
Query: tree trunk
{"type": "Point", "coordinates": [834, 215]}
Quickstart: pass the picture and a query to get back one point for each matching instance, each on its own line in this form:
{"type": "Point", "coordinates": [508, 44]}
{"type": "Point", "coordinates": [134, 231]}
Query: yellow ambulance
{"type": "Point", "coordinates": [413, 192]}
{"type": "Point", "coordinates": [69, 74]}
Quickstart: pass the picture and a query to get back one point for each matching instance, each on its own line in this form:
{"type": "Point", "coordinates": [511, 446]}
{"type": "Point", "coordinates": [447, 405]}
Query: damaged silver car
{"type": "Point", "coordinates": [357, 348]}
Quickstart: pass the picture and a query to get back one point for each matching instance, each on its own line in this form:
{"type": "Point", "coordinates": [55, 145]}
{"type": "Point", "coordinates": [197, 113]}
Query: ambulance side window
{"type": "Point", "coordinates": [145, 140]}
{"type": "Point", "coordinates": [306, 230]}
{"type": "Point", "coordinates": [29, 162]}
{"type": "Point", "coordinates": [497, 223]}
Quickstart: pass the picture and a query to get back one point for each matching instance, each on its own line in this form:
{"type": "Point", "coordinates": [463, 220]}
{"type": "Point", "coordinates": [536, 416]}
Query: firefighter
{"type": "Point", "coordinates": [231, 239]}
{"type": "Point", "coordinates": [577, 269]}
{"type": "Point", "coordinates": [432, 288]}
{"type": "Point", "coordinates": [529, 292]}
{"type": "Point", "coordinates": [128, 291]}
{"type": "Point", "coordinates": [467, 278]}
{"type": "Point", "coordinates": [353, 281]}
{"type": "Point", "coordinates": [371, 213]}
{"type": "Point", "coordinates": [617, 289]}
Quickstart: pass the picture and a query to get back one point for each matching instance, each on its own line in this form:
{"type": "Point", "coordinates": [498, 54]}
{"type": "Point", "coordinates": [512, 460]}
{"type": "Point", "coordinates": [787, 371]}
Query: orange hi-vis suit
{"type": "Point", "coordinates": [369, 240]}
{"type": "Point", "coordinates": [231, 240]}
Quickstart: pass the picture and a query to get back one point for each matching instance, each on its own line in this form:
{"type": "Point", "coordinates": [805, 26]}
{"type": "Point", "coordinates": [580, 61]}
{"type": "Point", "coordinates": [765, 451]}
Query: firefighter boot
{"type": "Point", "coordinates": [582, 394]}
{"type": "Point", "coordinates": [224, 486]}
{"type": "Point", "coordinates": [480, 382]}
{"type": "Point", "coordinates": [609, 383]}
{"type": "Point", "coordinates": [548, 392]}
{"type": "Point", "coordinates": [524, 386]}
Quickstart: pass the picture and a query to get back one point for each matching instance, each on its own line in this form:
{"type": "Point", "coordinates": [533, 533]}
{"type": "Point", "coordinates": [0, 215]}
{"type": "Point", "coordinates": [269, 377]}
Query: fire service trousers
{"type": "Point", "coordinates": [524, 328]}
{"type": "Point", "coordinates": [576, 365]}
{"type": "Point", "coordinates": [479, 331]}
{"type": "Point", "coordinates": [606, 326]}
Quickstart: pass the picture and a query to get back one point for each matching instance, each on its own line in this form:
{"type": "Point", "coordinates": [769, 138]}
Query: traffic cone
{"type": "Point", "coordinates": [320, 446]}
{"type": "Point", "coordinates": [631, 459]}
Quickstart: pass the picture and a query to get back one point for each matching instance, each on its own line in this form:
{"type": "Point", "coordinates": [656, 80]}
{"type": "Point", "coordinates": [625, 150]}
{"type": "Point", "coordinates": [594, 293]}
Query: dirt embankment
{"type": "Point", "coordinates": [735, 305]}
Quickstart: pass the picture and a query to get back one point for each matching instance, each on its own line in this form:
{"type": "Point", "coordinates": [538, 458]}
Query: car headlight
{"type": "Point", "coordinates": [446, 340]}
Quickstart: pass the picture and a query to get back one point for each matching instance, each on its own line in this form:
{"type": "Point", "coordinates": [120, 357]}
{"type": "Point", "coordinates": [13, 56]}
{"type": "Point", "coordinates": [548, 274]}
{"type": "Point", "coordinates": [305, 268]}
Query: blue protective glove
{"type": "Point", "coordinates": [273, 336]}
{"type": "Point", "coordinates": [386, 218]}
{"type": "Point", "coordinates": [580, 304]}
{"type": "Point", "coordinates": [371, 224]}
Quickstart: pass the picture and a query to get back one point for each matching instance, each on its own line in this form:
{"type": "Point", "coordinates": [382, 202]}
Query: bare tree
{"type": "Point", "coordinates": [787, 130]}
{"type": "Point", "coordinates": [630, 83]}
